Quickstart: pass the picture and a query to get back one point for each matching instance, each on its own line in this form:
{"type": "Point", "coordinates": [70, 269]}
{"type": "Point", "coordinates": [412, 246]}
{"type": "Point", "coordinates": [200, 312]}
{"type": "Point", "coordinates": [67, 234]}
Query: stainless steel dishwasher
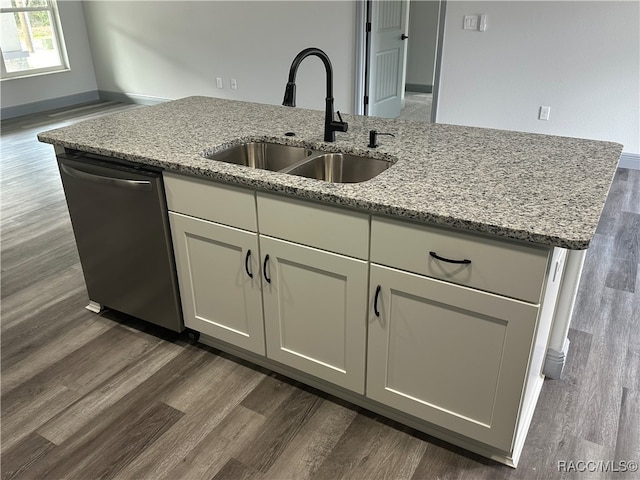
{"type": "Point", "coordinates": [119, 217]}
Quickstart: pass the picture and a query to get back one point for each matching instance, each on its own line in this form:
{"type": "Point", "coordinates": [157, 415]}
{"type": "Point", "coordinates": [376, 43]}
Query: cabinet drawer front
{"type": "Point", "coordinates": [447, 354]}
{"type": "Point", "coordinates": [234, 206]}
{"type": "Point", "coordinates": [328, 228]}
{"type": "Point", "coordinates": [510, 269]}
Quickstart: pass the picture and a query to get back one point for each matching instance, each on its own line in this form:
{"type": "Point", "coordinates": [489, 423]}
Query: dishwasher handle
{"type": "Point", "coordinates": [116, 182]}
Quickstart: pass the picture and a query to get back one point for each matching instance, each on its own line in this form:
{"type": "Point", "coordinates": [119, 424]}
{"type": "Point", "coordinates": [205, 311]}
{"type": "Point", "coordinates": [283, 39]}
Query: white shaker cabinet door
{"type": "Point", "coordinates": [447, 354]}
{"type": "Point", "coordinates": [219, 276]}
{"type": "Point", "coordinates": [315, 311]}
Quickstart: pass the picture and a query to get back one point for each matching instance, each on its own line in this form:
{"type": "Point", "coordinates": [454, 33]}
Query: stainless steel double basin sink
{"type": "Point", "coordinates": [303, 162]}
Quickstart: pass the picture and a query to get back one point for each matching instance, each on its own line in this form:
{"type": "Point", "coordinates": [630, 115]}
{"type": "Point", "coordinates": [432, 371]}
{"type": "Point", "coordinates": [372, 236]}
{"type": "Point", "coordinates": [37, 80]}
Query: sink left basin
{"type": "Point", "coordinates": [263, 155]}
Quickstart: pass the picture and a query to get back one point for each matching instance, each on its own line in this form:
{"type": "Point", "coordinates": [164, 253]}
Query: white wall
{"type": "Point", "coordinates": [423, 38]}
{"type": "Point", "coordinates": [46, 89]}
{"type": "Point", "coordinates": [580, 58]}
{"type": "Point", "coordinates": [173, 49]}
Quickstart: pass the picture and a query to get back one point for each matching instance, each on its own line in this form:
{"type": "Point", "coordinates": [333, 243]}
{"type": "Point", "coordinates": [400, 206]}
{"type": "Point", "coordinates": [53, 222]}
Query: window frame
{"type": "Point", "coordinates": [56, 27]}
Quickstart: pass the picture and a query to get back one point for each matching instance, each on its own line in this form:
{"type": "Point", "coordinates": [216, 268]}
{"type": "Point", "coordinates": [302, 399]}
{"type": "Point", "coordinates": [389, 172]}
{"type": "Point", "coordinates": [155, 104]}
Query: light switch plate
{"type": "Point", "coordinates": [470, 22]}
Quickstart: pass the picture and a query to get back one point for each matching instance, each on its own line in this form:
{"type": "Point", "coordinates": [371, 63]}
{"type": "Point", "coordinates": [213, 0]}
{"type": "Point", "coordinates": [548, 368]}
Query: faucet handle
{"type": "Point", "coordinates": [340, 126]}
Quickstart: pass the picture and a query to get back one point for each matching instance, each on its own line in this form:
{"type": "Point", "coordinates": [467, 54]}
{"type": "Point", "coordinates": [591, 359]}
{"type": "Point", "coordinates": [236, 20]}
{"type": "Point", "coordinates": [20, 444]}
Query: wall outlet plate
{"type": "Point", "coordinates": [544, 113]}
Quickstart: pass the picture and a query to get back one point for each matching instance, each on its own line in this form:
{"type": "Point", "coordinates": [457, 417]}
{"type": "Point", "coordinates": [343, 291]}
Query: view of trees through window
{"type": "Point", "coordinates": [29, 38]}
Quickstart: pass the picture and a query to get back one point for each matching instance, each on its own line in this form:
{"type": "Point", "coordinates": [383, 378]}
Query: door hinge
{"type": "Point", "coordinates": [366, 99]}
{"type": "Point", "coordinates": [368, 26]}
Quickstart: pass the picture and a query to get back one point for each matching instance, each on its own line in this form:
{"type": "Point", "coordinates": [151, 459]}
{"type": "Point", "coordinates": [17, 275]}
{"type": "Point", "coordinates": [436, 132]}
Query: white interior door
{"type": "Point", "coordinates": [387, 57]}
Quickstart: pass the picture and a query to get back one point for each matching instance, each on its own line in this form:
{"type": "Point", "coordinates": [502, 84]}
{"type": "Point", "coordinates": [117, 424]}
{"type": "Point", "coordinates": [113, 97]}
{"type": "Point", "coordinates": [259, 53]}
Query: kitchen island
{"type": "Point", "coordinates": [454, 349]}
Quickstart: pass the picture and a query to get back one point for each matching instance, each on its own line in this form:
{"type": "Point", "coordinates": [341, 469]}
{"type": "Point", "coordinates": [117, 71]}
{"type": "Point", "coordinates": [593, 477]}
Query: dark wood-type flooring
{"type": "Point", "coordinates": [88, 396]}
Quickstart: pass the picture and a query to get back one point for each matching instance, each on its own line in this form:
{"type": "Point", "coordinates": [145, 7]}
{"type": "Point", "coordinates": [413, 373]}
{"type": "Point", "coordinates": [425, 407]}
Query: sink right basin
{"type": "Point", "coordinates": [340, 168]}
{"type": "Point", "coordinates": [264, 155]}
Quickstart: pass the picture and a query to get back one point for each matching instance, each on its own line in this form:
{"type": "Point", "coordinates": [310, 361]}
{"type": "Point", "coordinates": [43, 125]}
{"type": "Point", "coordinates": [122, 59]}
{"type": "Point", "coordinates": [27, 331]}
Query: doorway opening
{"type": "Point", "coordinates": [398, 59]}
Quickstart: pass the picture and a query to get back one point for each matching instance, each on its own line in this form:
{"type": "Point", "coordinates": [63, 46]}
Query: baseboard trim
{"type": "Point", "coordinates": [629, 160]}
{"type": "Point", "coordinates": [130, 98]}
{"type": "Point", "coordinates": [555, 360]}
{"type": "Point", "coordinates": [418, 87]}
{"type": "Point", "coordinates": [51, 104]}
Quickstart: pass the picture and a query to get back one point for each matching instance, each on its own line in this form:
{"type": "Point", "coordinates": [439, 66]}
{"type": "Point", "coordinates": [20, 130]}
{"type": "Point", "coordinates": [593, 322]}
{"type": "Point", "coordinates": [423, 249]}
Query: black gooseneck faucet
{"type": "Point", "coordinates": [331, 126]}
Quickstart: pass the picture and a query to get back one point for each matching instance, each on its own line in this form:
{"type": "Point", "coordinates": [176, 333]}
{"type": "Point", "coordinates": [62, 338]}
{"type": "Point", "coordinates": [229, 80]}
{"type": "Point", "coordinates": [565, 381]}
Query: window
{"type": "Point", "coordinates": [30, 38]}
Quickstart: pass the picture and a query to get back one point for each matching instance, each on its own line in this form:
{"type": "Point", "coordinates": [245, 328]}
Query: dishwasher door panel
{"type": "Point", "coordinates": [120, 223]}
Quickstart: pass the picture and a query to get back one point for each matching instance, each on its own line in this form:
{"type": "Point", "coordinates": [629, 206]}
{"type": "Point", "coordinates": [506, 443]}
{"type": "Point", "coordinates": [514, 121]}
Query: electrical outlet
{"type": "Point", "coordinates": [219, 82]}
{"type": "Point", "coordinates": [544, 113]}
{"type": "Point", "coordinates": [483, 23]}
{"type": "Point", "coordinates": [234, 84]}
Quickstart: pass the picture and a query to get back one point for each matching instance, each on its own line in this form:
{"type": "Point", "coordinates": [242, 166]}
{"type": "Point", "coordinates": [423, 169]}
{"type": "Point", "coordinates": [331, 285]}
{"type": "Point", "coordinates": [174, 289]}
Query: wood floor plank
{"type": "Point", "coordinates": [202, 384]}
{"type": "Point", "coordinates": [32, 249]}
{"type": "Point", "coordinates": [631, 374]}
{"type": "Point", "coordinates": [71, 451]}
{"type": "Point", "coordinates": [85, 368]}
{"type": "Point", "coordinates": [604, 377]}
{"type": "Point", "coordinates": [23, 454]}
{"type": "Point", "coordinates": [18, 423]}
{"type": "Point", "coordinates": [626, 253]}
{"type": "Point", "coordinates": [628, 439]}
{"type": "Point", "coordinates": [196, 424]}
{"type": "Point", "coordinates": [586, 315]}
{"type": "Point", "coordinates": [117, 446]}
{"type": "Point", "coordinates": [447, 464]}
{"type": "Point", "coordinates": [280, 429]}
{"type": "Point", "coordinates": [617, 193]}
{"type": "Point", "coordinates": [35, 302]}
{"type": "Point", "coordinates": [60, 257]}
{"type": "Point", "coordinates": [49, 321]}
{"type": "Point", "coordinates": [372, 449]}
{"type": "Point", "coordinates": [92, 405]}
{"type": "Point", "coordinates": [86, 328]}
{"type": "Point", "coordinates": [586, 451]}
{"type": "Point", "coordinates": [228, 439]}
{"type": "Point", "coordinates": [235, 470]}
{"type": "Point", "coordinates": [268, 395]}
{"type": "Point", "coordinates": [551, 435]}
{"type": "Point", "coordinates": [313, 443]}
{"type": "Point", "coordinates": [622, 275]}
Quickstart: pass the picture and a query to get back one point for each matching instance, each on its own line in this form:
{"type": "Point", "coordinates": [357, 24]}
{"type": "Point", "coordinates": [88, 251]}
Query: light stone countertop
{"type": "Point", "coordinates": [540, 189]}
